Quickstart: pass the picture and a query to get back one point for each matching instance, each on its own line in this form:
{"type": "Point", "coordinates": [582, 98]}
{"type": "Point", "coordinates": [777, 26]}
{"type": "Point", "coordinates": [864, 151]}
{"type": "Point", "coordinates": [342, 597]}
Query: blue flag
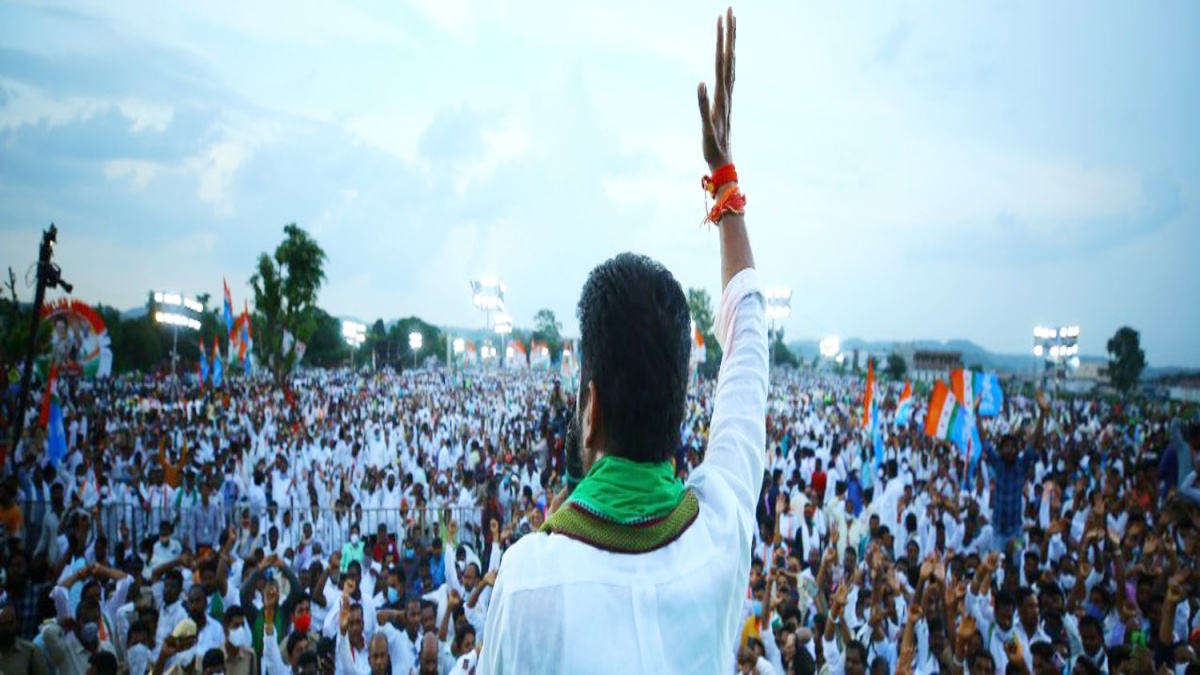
{"type": "Point", "coordinates": [216, 368]}
{"type": "Point", "coordinates": [877, 438]}
{"type": "Point", "coordinates": [991, 396]}
{"type": "Point", "coordinates": [203, 365]}
{"type": "Point", "coordinates": [52, 418]}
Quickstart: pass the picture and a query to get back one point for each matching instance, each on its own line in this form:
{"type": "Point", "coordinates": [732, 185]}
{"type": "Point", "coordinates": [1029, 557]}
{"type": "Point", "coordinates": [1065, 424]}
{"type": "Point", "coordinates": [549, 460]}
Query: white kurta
{"type": "Point", "coordinates": [562, 606]}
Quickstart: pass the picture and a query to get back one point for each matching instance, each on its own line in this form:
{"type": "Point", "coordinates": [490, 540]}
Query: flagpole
{"type": "Point", "coordinates": [48, 276]}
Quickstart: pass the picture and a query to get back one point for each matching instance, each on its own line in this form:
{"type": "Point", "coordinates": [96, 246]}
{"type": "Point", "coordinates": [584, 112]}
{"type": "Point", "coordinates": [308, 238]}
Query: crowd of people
{"type": "Point", "coordinates": [355, 523]}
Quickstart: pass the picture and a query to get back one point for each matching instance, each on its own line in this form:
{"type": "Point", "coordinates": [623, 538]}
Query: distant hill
{"type": "Point", "coordinates": [973, 354]}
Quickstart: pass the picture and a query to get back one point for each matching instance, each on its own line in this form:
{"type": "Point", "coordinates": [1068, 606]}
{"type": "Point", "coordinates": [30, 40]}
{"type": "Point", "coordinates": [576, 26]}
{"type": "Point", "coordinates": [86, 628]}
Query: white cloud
{"type": "Point", "coordinates": [138, 172]}
{"type": "Point", "coordinates": [215, 168]}
{"type": "Point", "coordinates": [507, 141]}
{"type": "Point", "coordinates": [397, 133]}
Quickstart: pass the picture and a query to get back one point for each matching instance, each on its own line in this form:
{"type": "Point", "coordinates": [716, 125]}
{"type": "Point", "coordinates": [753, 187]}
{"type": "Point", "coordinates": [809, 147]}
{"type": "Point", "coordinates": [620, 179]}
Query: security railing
{"type": "Point", "coordinates": [135, 523]}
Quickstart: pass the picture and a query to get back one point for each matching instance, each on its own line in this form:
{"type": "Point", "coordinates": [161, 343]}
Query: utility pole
{"type": "Point", "coordinates": [48, 276]}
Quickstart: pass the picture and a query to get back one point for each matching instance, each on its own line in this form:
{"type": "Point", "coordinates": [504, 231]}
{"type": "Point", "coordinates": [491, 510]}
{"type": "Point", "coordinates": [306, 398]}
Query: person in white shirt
{"type": "Point", "coordinates": [657, 568]}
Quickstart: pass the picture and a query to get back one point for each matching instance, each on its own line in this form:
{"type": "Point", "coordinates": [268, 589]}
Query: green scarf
{"type": "Point", "coordinates": [626, 507]}
{"type": "Point", "coordinates": [628, 492]}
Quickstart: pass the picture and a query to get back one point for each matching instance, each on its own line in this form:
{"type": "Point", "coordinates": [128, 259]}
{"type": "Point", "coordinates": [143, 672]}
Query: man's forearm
{"type": "Point", "coordinates": [735, 247]}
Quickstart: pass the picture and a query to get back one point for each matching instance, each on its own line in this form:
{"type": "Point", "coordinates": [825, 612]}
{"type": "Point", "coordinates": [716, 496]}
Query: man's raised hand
{"type": "Point", "coordinates": [714, 116]}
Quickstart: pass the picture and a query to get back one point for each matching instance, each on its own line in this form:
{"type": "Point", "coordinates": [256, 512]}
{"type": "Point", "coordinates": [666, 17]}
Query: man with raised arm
{"type": "Point", "coordinates": [635, 571]}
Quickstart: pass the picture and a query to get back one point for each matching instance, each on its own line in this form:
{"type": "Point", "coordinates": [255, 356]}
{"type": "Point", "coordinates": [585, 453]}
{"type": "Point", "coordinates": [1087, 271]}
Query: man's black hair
{"type": "Point", "coordinates": [103, 663]}
{"type": "Point", "coordinates": [636, 340]}
{"type": "Point", "coordinates": [213, 658]}
{"type": "Point", "coordinates": [859, 648]}
{"type": "Point", "coordinates": [297, 637]}
{"type": "Point", "coordinates": [1042, 649]}
{"type": "Point", "coordinates": [1006, 598]}
{"type": "Point", "coordinates": [232, 614]}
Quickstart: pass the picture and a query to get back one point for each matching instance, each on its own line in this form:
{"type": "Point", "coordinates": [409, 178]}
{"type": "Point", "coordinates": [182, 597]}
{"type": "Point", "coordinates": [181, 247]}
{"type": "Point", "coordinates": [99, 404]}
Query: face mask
{"type": "Point", "coordinates": [354, 539]}
{"type": "Point", "coordinates": [240, 638]}
{"type": "Point", "coordinates": [1067, 582]}
{"type": "Point", "coordinates": [393, 596]}
{"type": "Point", "coordinates": [302, 622]}
{"type": "Point", "coordinates": [89, 636]}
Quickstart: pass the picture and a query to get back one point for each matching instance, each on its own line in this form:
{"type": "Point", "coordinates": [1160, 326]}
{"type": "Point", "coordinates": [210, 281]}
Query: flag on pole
{"type": "Point", "coordinates": [905, 406]}
{"type": "Point", "coordinates": [946, 418]}
{"type": "Point", "coordinates": [991, 400]}
{"type": "Point", "coordinates": [52, 418]}
{"type": "Point", "coordinates": [867, 419]}
{"type": "Point", "coordinates": [288, 342]}
{"type": "Point", "coordinates": [300, 349]}
{"type": "Point", "coordinates": [228, 309]}
{"type": "Point", "coordinates": [244, 338]}
{"type": "Point", "coordinates": [962, 383]}
{"type": "Point", "coordinates": [216, 368]}
{"type": "Point", "coordinates": [203, 365]}
{"type": "Point", "coordinates": [877, 438]}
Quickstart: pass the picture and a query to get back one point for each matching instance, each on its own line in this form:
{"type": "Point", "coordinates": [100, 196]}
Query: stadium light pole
{"type": "Point", "coordinates": [504, 329]}
{"type": "Point", "coordinates": [779, 307]}
{"type": "Point", "coordinates": [487, 295]}
{"type": "Point", "coordinates": [415, 339]}
{"type": "Point", "coordinates": [172, 309]}
{"type": "Point", "coordinates": [1056, 347]}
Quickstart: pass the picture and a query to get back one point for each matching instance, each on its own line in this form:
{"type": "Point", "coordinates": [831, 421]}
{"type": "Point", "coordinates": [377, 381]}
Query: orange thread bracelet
{"type": "Point", "coordinates": [730, 201]}
{"type": "Point", "coordinates": [721, 176]}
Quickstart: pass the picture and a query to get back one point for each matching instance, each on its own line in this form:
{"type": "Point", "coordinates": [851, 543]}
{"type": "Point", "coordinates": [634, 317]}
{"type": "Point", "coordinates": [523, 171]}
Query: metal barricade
{"type": "Point", "coordinates": [136, 524]}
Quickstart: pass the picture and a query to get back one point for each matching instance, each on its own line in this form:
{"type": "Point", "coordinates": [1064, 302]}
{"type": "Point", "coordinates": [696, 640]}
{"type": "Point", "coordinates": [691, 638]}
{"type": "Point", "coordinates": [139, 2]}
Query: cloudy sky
{"type": "Point", "coordinates": [914, 170]}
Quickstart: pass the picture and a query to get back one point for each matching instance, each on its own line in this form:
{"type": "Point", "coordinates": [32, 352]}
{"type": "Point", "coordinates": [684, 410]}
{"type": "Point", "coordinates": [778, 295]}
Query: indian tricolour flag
{"type": "Point", "coordinates": [963, 384]}
{"type": "Point", "coordinates": [905, 407]}
{"type": "Point", "coordinates": [946, 418]}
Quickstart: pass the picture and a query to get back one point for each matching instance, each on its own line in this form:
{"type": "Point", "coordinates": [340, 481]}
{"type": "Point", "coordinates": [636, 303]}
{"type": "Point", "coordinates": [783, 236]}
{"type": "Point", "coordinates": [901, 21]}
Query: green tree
{"type": "Point", "coordinates": [326, 348]}
{"type": "Point", "coordinates": [700, 307]}
{"type": "Point", "coordinates": [896, 366]}
{"type": "Point", "coordinates": [547, 328]}
{"type": "Point", "coordinates": [285, 296]}
{"type": "Point", "coordinates": [433, 342]}
{"type": "Point", "coordinates": [1126, 360]}
{"type": "Point", "coordinates": [780, 354]}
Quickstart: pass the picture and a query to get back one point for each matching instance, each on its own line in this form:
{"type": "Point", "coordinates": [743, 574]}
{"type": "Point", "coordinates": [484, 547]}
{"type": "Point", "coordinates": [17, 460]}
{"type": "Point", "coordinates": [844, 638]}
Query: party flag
{"type": "Point", "coordinates": [228, 309]}
{"type": "Point", "coordinates": [870, 394]}
{"type": "Point", "coordinates": [905, 407]}
{"type": "Point", "coordinates": [216, 368]}
{"type": "Point", "coordinates": [203, 365]}
{"type": "Point", "coordinates": [52, 418]}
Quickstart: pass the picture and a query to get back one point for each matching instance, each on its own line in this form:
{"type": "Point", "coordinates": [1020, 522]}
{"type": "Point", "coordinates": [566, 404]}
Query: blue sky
{"type": "Point", "coordinates": [914, 170]}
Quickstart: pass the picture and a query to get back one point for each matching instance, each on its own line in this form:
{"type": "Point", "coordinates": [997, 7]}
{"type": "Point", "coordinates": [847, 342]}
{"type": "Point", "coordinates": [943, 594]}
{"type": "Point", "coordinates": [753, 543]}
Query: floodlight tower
{"type": "Point", "coordinates": [1057, 347]}
{"type": "Point", "coordinates": [178, 311]}
{"type": "Point", "coordinates": [415, 340]}
{"type": "Point", "coordinates": [779, 307]}
{"type": "Point", "coordinates": [504, 329]}
{"type": "Point", "coordinates": [487, 294]}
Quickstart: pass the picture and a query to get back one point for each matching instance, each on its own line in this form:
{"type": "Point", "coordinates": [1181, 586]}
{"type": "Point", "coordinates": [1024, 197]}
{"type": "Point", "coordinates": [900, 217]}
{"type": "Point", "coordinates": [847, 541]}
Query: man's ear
{"type": "Point", "coordinates": [590, 426]}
